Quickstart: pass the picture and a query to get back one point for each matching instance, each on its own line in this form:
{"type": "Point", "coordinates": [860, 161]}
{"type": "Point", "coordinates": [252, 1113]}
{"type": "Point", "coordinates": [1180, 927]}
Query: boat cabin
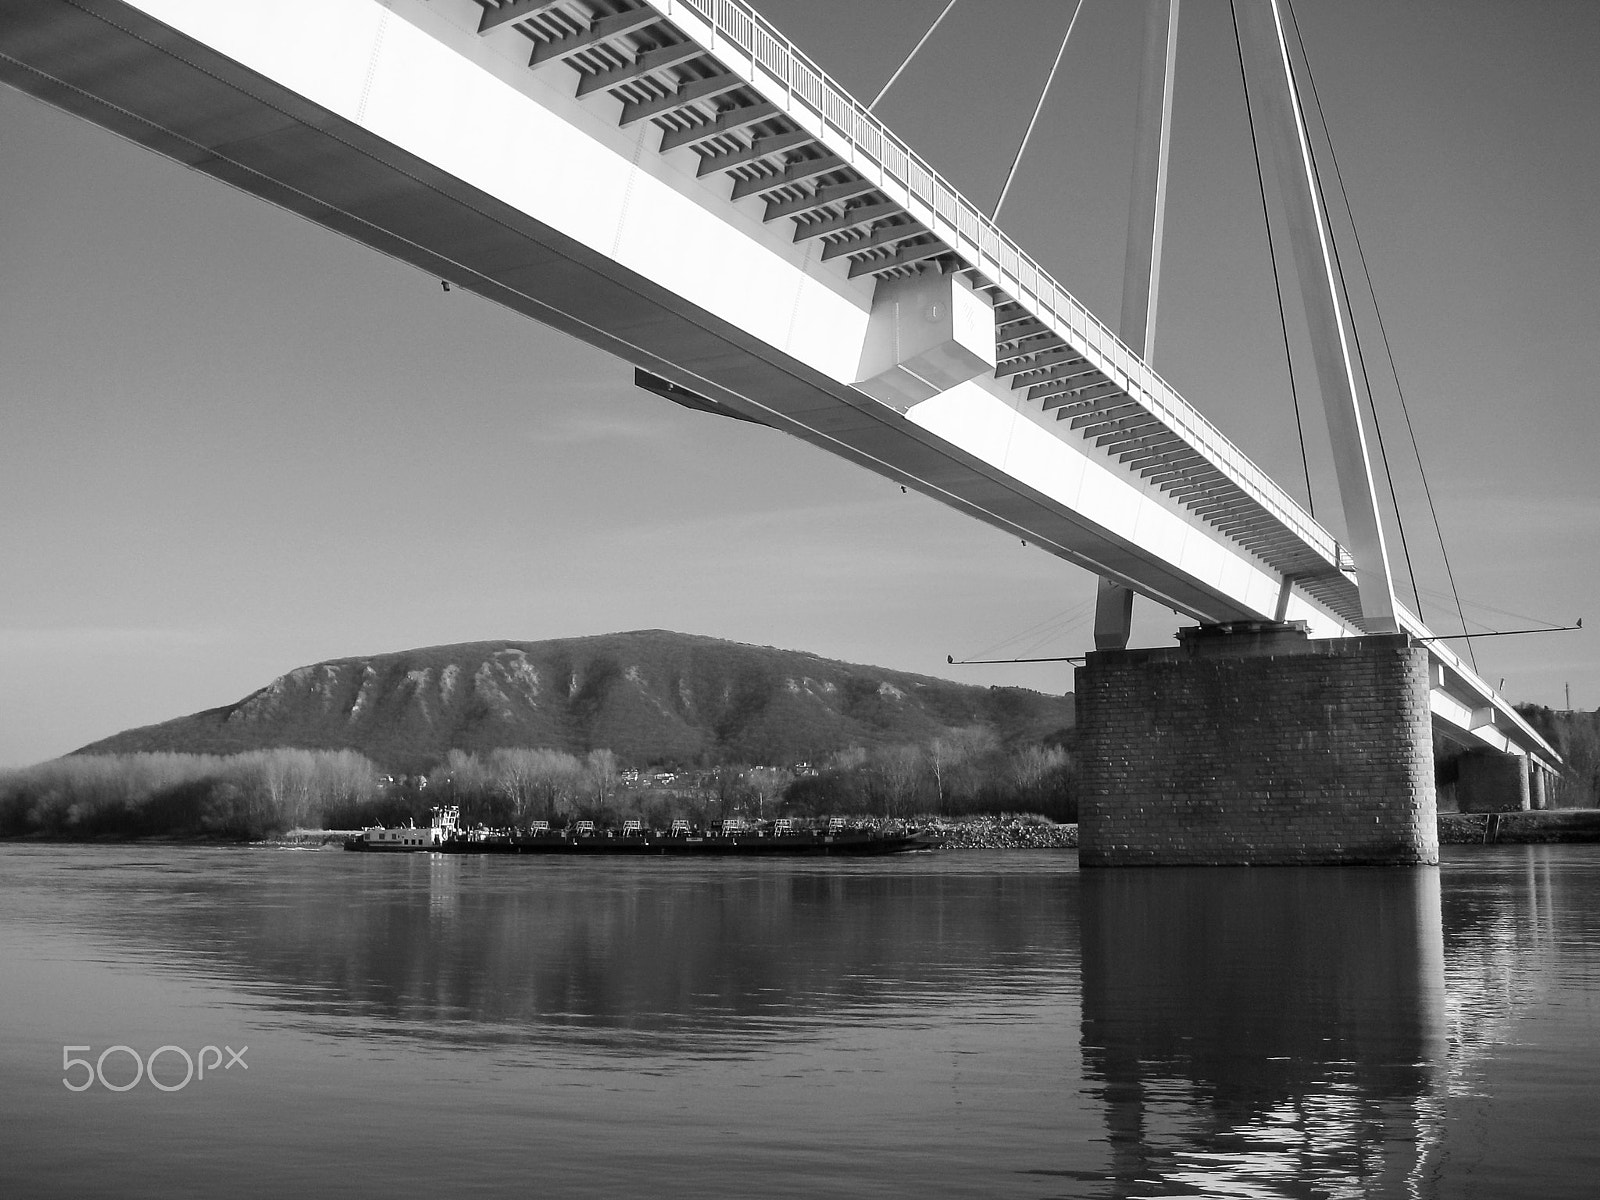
{"type": "Point", "coordinates": [445, 824]}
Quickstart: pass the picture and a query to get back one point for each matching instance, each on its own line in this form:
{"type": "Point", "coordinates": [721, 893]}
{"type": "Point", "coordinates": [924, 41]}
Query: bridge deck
{"type": "Point", "coordinates": [715, 76]}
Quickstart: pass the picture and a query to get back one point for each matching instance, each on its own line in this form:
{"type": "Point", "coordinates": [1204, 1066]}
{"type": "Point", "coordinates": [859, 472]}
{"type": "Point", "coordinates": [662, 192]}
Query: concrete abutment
{"type": "Point", "coordinates": [1257, 745]}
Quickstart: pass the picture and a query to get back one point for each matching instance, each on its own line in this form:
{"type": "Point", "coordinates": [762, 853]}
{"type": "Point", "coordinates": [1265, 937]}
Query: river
{"type": "Point", "coordinates": [962, 1024]}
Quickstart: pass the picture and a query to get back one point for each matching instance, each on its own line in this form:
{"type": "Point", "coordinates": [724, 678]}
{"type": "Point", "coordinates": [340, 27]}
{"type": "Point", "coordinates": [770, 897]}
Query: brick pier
{"type": "Point", "coordinates": [1256, 746]}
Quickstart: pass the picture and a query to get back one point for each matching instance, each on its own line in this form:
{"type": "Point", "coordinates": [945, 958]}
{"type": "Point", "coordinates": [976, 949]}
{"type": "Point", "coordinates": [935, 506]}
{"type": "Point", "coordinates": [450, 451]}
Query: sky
{"type": "Point", "coordinates": [233, 443]}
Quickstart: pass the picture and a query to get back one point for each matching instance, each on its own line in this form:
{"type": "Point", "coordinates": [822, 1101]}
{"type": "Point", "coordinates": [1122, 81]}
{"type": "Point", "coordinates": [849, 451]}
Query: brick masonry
{"type": "Point", "coordinates": [1257, 747]}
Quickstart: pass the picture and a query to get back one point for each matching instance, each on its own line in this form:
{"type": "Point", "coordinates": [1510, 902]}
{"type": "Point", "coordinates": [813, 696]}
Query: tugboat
{"type": "Point", "coordinates": [444, 828]}
{"type": "Point", "coordinates": [784, 836]}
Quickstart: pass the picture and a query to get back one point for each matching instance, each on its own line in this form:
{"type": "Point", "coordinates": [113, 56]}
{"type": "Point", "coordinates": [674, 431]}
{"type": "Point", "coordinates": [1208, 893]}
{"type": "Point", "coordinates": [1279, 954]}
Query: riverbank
{"type": "Point", "coordinates": [1544, 826]}
{"type": "Point", "coordinates": [1025, 832]}
{"type": "Point", "coordinates": [1532, 826]}
{"type": "Point", "coordinates": [1030, 832]}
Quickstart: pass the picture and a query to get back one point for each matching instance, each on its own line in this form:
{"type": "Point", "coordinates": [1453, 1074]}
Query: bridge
{"type": "Point", "coordinates": [675, 182]}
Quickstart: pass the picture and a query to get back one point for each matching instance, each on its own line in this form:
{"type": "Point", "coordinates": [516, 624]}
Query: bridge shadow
{"type": "Point", "coordinates": [1264, 1032]}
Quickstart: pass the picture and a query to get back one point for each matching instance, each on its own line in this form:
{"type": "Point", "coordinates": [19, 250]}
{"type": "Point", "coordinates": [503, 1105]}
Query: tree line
{"type": "Point", "coordinates": [249, 795]}
{"type": "Point", "coordinates": [266, 792]}
{"type": "Point", "coordinates": [964, 772]}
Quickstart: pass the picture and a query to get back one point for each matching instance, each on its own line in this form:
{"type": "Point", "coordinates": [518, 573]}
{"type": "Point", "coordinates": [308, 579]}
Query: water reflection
{"type": "Point", "coordinates": [1507, 918]}
{"type": "Point", "coordinates": [831, 1029]}
{"type": "Point", "coordinates": [720, 958]}
{"type": "Point", "coordinates": [1265, 1032]}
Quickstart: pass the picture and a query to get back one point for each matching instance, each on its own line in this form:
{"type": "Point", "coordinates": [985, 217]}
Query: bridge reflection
{"type": "Point", "coordinates": [1265, 1032]}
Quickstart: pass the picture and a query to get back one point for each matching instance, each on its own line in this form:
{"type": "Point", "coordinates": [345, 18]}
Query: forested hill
{"type": "Point", "coordinates": [651, 696]}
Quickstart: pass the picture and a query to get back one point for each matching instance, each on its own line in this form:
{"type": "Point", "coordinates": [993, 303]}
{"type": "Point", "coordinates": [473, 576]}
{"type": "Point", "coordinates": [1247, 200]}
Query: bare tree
{"type": "Point", "coordinates": [951, 758]}
{"type": "Point", "coordinates": [899, 770]}
{"type": "Point", "coordinates": [557, 780]}
{"type": "Point", "coordinates": [767, 783]}
{"type": "Point", "coordinates": [517, 773]}
{"type": "Point", "coordinates": [600, 769]}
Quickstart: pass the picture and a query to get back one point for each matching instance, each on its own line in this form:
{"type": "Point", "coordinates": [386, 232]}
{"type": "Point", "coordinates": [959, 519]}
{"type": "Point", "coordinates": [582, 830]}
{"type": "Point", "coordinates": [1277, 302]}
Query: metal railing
{"type": "Point", "coordinates": [974, 234]}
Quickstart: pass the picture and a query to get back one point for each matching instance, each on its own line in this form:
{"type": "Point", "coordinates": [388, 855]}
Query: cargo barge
{"type": "Point", "coordinates": [783, 837]}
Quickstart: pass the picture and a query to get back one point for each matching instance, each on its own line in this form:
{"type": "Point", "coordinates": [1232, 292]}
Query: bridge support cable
{"type": "Point", "coordinates": [884, 91]}
{"type": "Point", "coordinates": [1036, 637]}
{"type": "Point", "coordinates": [1277, 278]}
{"type": "Point", "coordinates": [1388, 349]}
{"type": "Point", "coordinates": [1443, 597]}
{"type": "Point", "coordinates": [1005, 188]}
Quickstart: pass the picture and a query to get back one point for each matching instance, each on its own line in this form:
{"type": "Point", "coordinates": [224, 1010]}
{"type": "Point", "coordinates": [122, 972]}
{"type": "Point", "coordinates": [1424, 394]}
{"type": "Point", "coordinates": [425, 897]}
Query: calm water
{"type": "Point", "coordinates": [962, 1024]}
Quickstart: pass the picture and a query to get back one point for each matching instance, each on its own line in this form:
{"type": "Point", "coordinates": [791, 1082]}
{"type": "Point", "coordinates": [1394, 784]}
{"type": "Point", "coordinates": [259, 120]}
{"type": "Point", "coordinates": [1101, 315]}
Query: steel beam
{"type": "Point", "coordinates": [759, 148]}
{"type": "Point", "coordinates": [904, 257]}
{"type": "Point", "coordinates": [1096, 392]}
{"type": "Point", "coordinates": [1034, 362]}
{"type": "Point", "coordinates": [833, 193]}
{"type": "Point", "coordinates": [728, 122]}
{"type": "Point", "coordinates": [1102, 417]}
{"type": "Point", "coordinates": [850, 219]}
{"type": "Point", "coordinates": [512, 10]}
{"type": "Point", "coordinates": [798, 172]}
{"type": "Point", "coordinates": [889, 235]}
{"type": "Point", "coordinates": [651, 60]}
{"type": "Point", "coordinates": [602, 30]}
{"type": "Point", "coordinates": [695, 89]}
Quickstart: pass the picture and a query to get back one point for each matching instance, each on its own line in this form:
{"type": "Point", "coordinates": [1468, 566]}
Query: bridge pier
{"type": "Point", "coordinates": [1491, 783]}
{"type": "Point", "coordinates": [1254, 744]}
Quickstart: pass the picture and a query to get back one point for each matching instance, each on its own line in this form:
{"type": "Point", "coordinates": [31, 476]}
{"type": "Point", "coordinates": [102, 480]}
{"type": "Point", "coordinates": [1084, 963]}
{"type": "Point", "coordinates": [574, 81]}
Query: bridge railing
{"type": "Point", "coordinates": [969, 230]}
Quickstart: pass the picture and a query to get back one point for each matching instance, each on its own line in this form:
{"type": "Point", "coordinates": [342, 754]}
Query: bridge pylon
{"type": "Point", "coordinates": [1250, 742]}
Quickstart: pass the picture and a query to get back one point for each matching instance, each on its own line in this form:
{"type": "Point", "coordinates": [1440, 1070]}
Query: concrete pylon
{"type": "Point", "coordinates": [1280, 118]}
{"type": "Point", "coordinates": [1141, 274]}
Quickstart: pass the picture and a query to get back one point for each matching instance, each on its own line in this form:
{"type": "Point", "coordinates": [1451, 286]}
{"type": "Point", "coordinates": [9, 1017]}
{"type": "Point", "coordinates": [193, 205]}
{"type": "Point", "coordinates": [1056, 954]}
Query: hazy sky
{"type": "Point", "coordinates": [232, 443]}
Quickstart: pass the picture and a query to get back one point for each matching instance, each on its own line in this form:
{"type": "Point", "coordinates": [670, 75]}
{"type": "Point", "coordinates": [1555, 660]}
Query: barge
{"type": "Point", "coordinates": [783, 837]}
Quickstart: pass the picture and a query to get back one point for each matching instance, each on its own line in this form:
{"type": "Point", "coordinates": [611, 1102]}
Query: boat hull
{"type": "Point", "coordinates": [843, 845]}
{"type": "Point", "coordinates": [710, 846]}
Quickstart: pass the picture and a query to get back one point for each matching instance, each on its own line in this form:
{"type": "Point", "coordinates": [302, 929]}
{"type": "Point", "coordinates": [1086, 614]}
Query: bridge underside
{"type": "Point", "coordinates": [608, 176]}
{"type": "Point", "coordinates": [126, 71]}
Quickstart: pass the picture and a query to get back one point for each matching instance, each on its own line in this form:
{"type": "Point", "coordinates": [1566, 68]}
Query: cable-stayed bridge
{"type": "Point", "coordinates": [674, 181]}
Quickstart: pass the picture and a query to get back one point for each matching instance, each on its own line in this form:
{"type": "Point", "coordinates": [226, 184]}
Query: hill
{"type": "Point", "coordinates": [652, 696]}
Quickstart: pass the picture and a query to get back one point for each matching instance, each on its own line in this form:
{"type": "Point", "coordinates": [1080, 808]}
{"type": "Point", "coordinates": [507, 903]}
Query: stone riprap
{"type": "Point", "coordinates": [1004, 833]}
